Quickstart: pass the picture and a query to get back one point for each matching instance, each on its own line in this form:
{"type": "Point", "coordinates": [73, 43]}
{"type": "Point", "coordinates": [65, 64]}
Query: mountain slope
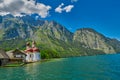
{"type": "Point", "coordinates": [53, 39]}
{"type": "Point", "coordinates": [94, 40]}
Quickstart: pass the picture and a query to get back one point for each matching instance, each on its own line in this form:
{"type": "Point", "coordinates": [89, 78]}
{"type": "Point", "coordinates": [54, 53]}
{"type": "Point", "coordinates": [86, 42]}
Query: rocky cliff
{"type": "Point", "coordinates": [93, 40]}
{"type": "Point", "coordinates": [52, 37]}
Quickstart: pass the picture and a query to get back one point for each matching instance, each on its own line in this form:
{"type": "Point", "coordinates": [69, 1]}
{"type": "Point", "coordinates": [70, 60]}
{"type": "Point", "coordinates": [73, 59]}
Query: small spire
{"type": "Point", "coordinates": [28, 44]}
{"type": "Point", "coordinates": [33, 44]}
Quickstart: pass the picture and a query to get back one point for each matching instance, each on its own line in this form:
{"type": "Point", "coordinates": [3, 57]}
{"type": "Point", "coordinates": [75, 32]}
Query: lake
{"type": "Point", "coordinates": [102, 67]}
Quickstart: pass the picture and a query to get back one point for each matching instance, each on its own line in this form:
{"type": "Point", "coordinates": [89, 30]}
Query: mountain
{"type": "Point", "coordinates": [94, 40]}
{"type": "Point", "coordinates": [53, 39]}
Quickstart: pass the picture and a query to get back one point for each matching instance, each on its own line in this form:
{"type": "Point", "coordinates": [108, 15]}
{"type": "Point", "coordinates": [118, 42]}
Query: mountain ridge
{"type": "Point", "coordinates": [52, 38]}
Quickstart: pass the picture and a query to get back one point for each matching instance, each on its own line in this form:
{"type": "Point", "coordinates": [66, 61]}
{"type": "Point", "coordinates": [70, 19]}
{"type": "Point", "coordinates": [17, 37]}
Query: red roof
{"type": "Point", "coordinates": [36, 50]}
{"type": "Point", "coordinates": [32, 50]}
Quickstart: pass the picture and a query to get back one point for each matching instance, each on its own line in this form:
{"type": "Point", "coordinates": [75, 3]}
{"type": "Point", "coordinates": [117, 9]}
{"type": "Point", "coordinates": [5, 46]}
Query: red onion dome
{"type": "Point", "coordinates": [29, 50]}
{"type": "Point", "coordinates": [36, 49]}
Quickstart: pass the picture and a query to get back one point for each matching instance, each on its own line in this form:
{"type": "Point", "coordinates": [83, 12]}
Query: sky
{"type": "Point", "coordinates": [101, 15]}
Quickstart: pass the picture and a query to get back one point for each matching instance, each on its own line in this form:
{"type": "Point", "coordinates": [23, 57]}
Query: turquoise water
{"type": "Point", "coordinates": [103, 67]}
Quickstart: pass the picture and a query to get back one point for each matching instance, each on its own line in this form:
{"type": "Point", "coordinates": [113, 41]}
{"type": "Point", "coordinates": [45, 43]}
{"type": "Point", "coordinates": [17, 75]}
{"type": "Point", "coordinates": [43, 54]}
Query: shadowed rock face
{"type": "Point", "coordinates": [26, 27]}
{"type": "Point", "coordinates": [57, 31]}
{"type": "Point", "coordinates": [51, 35]}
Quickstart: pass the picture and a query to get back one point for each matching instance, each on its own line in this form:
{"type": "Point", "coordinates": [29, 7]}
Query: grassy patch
{"type": "Point", "coordinates": [14, 64]}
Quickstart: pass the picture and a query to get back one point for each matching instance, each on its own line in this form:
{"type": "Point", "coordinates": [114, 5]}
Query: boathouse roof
{"type": "Point", "coordinates": [11, 53]}
{"type": "Point", "coordinates": [3, 55]}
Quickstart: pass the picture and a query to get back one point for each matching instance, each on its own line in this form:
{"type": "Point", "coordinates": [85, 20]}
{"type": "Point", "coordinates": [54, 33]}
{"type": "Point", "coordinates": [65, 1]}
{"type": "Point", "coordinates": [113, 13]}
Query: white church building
{"type": "Point", "coordinates": [32, 52]}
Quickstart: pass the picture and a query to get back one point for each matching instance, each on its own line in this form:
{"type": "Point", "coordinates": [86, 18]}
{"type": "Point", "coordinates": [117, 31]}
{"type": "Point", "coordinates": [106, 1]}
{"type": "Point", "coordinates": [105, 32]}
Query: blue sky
{"type": "Point", "coordinates": [101, 15]}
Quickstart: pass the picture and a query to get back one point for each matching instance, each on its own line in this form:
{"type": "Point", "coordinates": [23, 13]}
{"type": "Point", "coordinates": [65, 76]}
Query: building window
{"type": "Point", "coordinates": [18, 56]}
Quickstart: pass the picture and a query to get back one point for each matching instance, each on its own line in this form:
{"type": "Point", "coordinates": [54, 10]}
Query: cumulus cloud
{"type": "Point", "coordinates": [68, 8]}
{"type": "Point", "coordinates": [16, 7]}
{"type": "Point", "coordinates": [60, 8]}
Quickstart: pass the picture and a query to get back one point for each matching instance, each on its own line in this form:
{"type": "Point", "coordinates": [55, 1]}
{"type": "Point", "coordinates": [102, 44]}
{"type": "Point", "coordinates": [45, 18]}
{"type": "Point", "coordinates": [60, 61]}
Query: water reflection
{"type": "Point", "coordinates": [31, 70]}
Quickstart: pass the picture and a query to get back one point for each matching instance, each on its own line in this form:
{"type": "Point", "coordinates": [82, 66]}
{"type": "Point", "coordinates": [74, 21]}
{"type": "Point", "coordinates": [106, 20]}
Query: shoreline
{"type": "Point", "coordinates": [44, 60]}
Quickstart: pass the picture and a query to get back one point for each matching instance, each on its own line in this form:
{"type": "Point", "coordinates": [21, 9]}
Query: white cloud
{"type": "Point", "coordinates": [4, 13]}
{"type": "Point", "coordinates": [74, 1]}
{"type": "Point", "coordinates": [68, 8]}
{"type": "Point", "coordinates": [16, 7]}
{"type": "Point", "coordinates": [60, 8]}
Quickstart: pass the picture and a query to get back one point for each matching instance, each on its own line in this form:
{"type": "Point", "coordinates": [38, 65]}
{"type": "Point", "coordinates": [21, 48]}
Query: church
{"type": "Point", "coordinates": [32, 52]}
